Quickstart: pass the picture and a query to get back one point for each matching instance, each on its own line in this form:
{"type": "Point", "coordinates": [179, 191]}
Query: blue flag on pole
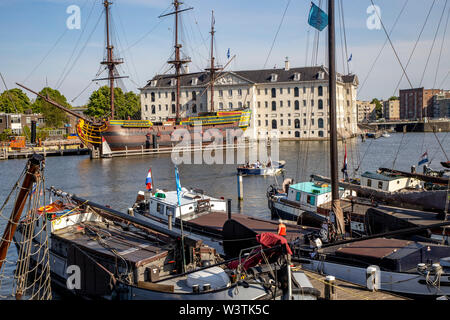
{"type": "Point", "coordinates": [350, 59]}
{"type": "Point", "coordinates": [177, 179]}
{"type": "Point", "coordinates": [228, 53]}
{"type": "Point", "coordinates": [317, 17]}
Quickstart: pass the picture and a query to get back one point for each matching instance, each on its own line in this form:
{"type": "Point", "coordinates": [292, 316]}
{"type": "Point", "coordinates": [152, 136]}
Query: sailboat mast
{"type": "Point", "coordinates": [177, 60]}
{"type": "Point", "coordinates": [336, 207]}
{"type": "Point", "coordinates": [212, 61]}
{"type": "Point", "coordinates": [110, 63]}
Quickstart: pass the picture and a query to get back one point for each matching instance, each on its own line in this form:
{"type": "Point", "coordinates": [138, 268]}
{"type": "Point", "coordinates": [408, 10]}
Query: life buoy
{"type": "Point", "coordinates": [48, 208]}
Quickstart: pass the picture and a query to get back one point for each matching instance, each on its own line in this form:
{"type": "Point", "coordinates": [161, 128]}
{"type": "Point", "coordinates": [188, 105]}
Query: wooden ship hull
{"type": "Point", "coordinates": [137, 134]}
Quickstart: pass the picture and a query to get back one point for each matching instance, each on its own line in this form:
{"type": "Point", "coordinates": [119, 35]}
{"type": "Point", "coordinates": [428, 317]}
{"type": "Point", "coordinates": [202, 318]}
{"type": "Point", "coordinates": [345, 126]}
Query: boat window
{"type": "Point", "coordinates": [297, 197]}
{"type": "Point", "coordinates": [158, 207]}
{"type": "Point", "coordinates": [369, 182]}
{"type": "Point", "coordinates": [380, 184]}
{"type": "Point", "coordinates": [311, 200]}
{"type": "Point", "coordinates": [169, 211]}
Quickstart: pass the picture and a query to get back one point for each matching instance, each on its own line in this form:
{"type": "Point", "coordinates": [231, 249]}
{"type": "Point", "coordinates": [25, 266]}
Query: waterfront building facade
{"type": "Point", "coordinates": [391, 109]}
{"type": "Point", "coordinates": [366, 111]}
{"type": "Point", "coordinates": [293, 101]}
{"type": "Point", "coordinates": [441, 105]}
{"type": "Point", "coordinates": [17, 121]}
{"type": "Point", "coordinates": [417, 103]}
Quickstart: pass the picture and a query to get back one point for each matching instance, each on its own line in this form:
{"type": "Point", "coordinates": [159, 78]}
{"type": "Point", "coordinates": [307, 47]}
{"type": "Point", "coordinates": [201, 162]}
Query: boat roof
{"type": "Point", "coordinates": [315, 188]}
{"type": "Point", "coordinates": [378, 176]}
{"type": "Point", "coordinates": [186, 197]}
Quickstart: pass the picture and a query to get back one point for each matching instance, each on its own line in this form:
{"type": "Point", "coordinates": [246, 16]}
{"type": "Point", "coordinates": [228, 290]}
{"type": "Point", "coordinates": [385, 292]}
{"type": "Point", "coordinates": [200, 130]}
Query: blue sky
{"type": "Point", "coordinates": [29, 29]}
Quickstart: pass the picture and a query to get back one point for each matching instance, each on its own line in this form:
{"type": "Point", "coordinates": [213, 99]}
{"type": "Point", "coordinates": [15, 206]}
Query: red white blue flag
{"type": "Point", "coordinates": [148, 181]}
{"type": "Point", "coordinates": [423, 158]}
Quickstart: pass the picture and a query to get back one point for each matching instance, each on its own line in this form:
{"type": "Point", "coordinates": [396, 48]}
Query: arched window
{"type": "Point", "coordinates": [297, 134]}
{"type": "Point", "coordinates": [274, 124]}
{"type": "Point", "coordinates": [295, 92]}
{"type": "Point", "coordinates": [274, 106]}
{"type": "Point", "coordinates": [152, 95]}
{"type": "Point", "coordinates": [297, 124]}
{"type": "Point", "coordinates": [173, 96]}
{"type": "Point", "coordinates": [320, 91]}
{"type": "Point", "coordinates": [320, 103]}
{"type": "Point", "coordinates": [320, 133]}
{"type": "Point", "coordinates": [320, 123]}
{"type": "Point", "coordinates": [296, 105]}
{"type": "Point", "coordinates": [274, 93]}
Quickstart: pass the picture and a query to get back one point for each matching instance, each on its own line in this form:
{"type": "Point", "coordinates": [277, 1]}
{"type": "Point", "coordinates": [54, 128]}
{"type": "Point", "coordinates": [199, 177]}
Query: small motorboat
{"type": "Point", "coordinates": [269, 169]}
{"type": "Point", "coordinates": [385, 135]}
{"type": "Point", "coordinates": [445, 164]}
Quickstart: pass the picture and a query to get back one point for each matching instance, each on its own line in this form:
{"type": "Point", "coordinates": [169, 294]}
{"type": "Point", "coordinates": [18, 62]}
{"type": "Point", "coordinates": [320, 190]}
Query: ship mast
{"type": "Point", "coordinates": [110, 62]}
{"type": "Point", "coordinates": [177, 62]}
{"type": "Point", "coordinates": [212, 69]}
{"type": "Point", "coordinates": [336, 206]}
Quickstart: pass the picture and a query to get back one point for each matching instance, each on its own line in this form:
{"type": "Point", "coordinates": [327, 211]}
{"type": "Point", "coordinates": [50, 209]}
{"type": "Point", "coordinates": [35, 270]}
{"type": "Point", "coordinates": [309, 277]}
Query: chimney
{"type": "Point", "coordinates": [186, 69]}
{"type": "Point", "coordinates": [286, 64]}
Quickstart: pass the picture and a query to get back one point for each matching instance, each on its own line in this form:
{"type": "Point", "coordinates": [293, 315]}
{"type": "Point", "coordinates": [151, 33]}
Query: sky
{"type": "Point", "coordinates": [38, 49]}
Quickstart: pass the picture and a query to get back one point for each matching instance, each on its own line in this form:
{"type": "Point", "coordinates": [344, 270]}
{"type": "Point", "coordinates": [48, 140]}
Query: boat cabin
{"type": "Point", "coordinates": [388, 183]}
{"type": "Point", "coordinates": [310, 195]}
{"type": "Point", "coordinates": [192, 204]}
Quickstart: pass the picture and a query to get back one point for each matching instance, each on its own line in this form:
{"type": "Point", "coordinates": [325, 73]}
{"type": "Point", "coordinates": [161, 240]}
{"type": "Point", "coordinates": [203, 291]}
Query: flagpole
{"type": "Point", "coordinates": [177, 180]}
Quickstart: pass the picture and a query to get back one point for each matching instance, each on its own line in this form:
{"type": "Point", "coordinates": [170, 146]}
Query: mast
{"type": "Point", "coordinates": [212, 69]}
{"type": "Point", "coordinates": [177, 62]}
{"type": "Point", "coordinates": [336, 207]}
{"type": "Point", "coordinates": [110, 62]}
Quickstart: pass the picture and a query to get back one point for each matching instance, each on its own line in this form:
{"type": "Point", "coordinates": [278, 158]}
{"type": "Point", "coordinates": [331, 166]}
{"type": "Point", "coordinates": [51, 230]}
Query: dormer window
{"type": "Point", "coordinates": [194, 81]}
{"type": "Point", "coordinates": [273, 77]}
{"type": "Point", "coordinates": [153, 83]}
{"type": "Point", "coordinates": [173, 82]}
{"type": "Point", "coordinates": [297, 76]}
{"type": "Point", "coordinates": [320, 75]}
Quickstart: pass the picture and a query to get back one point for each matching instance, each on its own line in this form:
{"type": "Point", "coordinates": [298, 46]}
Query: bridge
{"type": "Point", "coordinates": [408, 125]}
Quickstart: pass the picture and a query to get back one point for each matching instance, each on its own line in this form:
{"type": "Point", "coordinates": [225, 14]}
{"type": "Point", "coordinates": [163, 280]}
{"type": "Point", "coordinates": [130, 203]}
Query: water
{"type": "Point", "coordinates": [116, 181]}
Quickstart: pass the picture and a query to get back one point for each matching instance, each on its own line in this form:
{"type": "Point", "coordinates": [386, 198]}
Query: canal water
{"type": "Point", "coordinates": [115, 182]}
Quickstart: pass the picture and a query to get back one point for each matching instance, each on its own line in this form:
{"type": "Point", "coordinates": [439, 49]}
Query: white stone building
{"type": "Point", "coordinates": [293, 101]}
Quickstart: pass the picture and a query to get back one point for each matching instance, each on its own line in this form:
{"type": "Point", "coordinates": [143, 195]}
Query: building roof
{"type": "Point", "coordinates": [378, 176]}
{"type": "Point", "coordinates": [312, 188]}
{"type": "Point", "coordinates": [253, 76]}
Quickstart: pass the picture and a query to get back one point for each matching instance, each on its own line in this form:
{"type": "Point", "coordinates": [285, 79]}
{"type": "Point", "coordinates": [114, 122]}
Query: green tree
{"type": "Point", "coordinates": [393, 98]}
{"type": "Point", "coordinates": [14, 101]}
{"type": "Point", "coordinates": [378, 108]}
{"type": "Point", "coordinates": [27, 132]}
{"type": "Point", "coordinates": [125, 104]}
{"type": "Point", "coordinates": [54, 117]}
{"type": "Point", "coordinates": [5, 134]}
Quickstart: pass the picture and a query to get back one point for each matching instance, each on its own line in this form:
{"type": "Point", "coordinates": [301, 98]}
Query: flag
{"type": "Point", "coordinates": [423, 158]}
{"type": "Point", "coordinates": [148, 181]}
{"type": "Point", "coordinates": [317, 17]}
{"type": "Point", "coordinates": [177, 179]}
{"type": "Point", "coordinates": [228, 53]}
{"type": "Point", "coordinates": [344, 166]}
{"type": "Point", "coordinates": [350, 59]}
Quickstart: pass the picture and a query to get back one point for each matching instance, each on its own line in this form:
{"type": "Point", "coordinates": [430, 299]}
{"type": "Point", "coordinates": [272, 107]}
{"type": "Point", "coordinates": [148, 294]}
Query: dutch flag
{"type": "Point", "coordinates": [424, 158]}
{"type": "Point", "coordinates": [148, 181]}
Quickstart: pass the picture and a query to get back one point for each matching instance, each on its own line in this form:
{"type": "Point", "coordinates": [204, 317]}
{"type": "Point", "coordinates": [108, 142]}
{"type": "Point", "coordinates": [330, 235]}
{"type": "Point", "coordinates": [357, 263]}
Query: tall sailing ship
{"type": "Point", "coordinates": [120, 134]}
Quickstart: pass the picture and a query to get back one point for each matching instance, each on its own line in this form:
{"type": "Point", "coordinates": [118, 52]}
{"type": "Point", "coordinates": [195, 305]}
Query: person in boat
{"type": "Point", "coordinates": [281, 228]}
{"type": "Point", "coordinates": [258, 164]}
{"type": "Point", "coordinates": [269, 164]}
{"type": "Point", "coordinates": [247, 165]}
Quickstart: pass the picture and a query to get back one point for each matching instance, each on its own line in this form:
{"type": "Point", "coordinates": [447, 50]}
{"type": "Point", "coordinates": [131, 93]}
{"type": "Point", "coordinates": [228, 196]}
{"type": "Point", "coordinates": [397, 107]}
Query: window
{"type": "Point", "coordinates": [173, 96]}
{"type": "Point", "coordinates": [259, 92]}
{"type": "Point", "coordinates": [259, 123]}
{"type": "Point", "coordinates": [295, 92]}
{"type": "Point", "coordinates": [304, 103]}
{"type": "Point", "coordinates": [369, 182]}
{"type": "Point", "coordinates": [320, 102]}
{"type": "Point", "coordinates": [239, 92]}
{"type": "Point", "coordinates": [297, 124]}
{"type": "Point", "coordinates": [297, 134]}
{"type": "Point", "coordinates": [167, 107]}
{"type": "Point", "coordinates": [265, 91]}
{"type": "Point", "coordinates": [281, 122]}
{"type": "Point", "coordinates": [274, 106]}
{"type": "Point", "coordinates": [173, 108]}
{"type": "Point", "coordinates": [281, 90]}
{"type": "Point", "coordinates": [320, 123]}
{"type": "Point", "coordinates": [194, 95]}
{"type": "Point", "coordinates": [220, 105]}
{"type": "Point", "coordinates": [274, 124]}
{"type": "Point", "coordinates": [159, 107]}
{"type": "Point", "coordinates": [153, 108]}
{"type": "Point", "coordinates": [321, 133]}
{"type": "Point", "coordinates": [230, 93]}
{"type": "Point", "coordinates": [296, 105]}
{"type": "Point", "coordinates": [267, 123]}
{"type": "Point", "coordinates": [274, 93]}
{"type": "Point", "coordinates": [312, 122]}
{"type": "Point", "coordinates": [220, 93]}
{"type": "Point", "coordinates": [320, 91]}
{"type": "Point", "coordinates": [297, 196]}
{"type": "Point", "coordinates": [259, 104]}
{"type": "Point", "coordinates": [166, 94]}
{"type": "Point", "coordinates": [289, 122]}
{"type": "Point", "coordinates": [304, 89]}
{"type": "Point", "coordinates": [281, 103]}
{"type": "Point", "coordinates": [230, 105]}
{"type": "Point", "coordinates": [146, 107]}
{"type": "Point", "coordinates": [194, 108]}
{"type": "Point", "coordinates": [312, 103]}
{"type": "Point", "coordinates": [380, 184]}
{"type": "Point", "coordinates": [311, 200]}
{"type": "Point", "coordinates": [289, 103]}
{"type": "Point", "coordinates": [240, 104]}
{"type": "Point", "coordinates": [152, 96]}
{"type": "Point", "coordinates": [266, 104]}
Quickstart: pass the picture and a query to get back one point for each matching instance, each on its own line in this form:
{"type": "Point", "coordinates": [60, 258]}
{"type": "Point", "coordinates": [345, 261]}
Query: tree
{"type": "Point", "coordinates": [393, 98]}
{"type": "Point", "coordinates": [14, 101]}
{"type": "Point", "coordinates": [5, 134]}
{"type": "Point", "coordinates": [125, 105]}
{"type": "Point", "coordinates": [378, 108]}
{"type": "Point", "coordinates": [54, 117]}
